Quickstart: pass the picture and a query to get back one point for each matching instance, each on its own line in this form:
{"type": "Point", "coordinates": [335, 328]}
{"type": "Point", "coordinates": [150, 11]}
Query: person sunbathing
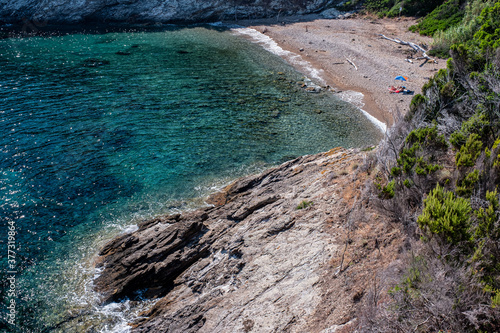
{"type": "Point", "coordinates": [400, 89]}
{"type": "Point", "coordinates": [394, 90]}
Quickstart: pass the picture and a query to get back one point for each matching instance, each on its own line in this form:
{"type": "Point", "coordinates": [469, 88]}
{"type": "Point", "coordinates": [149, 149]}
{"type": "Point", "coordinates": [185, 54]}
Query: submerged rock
{"type": "Point", "coordinates": [311, 87]}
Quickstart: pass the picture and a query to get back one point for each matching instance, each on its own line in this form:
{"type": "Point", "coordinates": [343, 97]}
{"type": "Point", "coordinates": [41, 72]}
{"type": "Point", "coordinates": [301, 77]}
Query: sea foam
{"type": "Point", "coordinates": [293, 58]}
{"type": "Point", "coordinates": [356, 99]}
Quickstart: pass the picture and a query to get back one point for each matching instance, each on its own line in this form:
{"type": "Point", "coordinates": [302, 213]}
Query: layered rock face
{"type": "Point", "coordinates": [263, 258]}
{"type": "Point", "coordinates": [78, 11]}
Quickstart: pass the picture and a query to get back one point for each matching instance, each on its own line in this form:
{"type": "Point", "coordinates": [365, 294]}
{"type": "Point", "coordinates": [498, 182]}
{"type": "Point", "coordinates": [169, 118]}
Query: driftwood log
{"type": "Point", "coordinates": [417, 48]}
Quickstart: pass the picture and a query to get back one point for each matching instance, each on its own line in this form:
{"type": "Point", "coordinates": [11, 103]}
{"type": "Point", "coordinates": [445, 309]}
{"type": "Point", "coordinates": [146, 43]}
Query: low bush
{"type": "Point", "coordinates": [477, 124]}
{"type": "Point", "coordinates": [392, 8]}
{"type": "Point", "coordinates": [447, 216]}
{"type": "Point", "coordinates": [448, 14]}
{"type": "Point", "coordinates": [488, 35]}
{"type": "Point", "coordinates": [487, 218]}
{"type": "Point", "coordinates": [410, 158]}
{"type": "Point", "coordinates": [469, 152]}
{"type": "Point", "coordinates": [416, 101]}
{"type": "Point", "coordinates": [388, 190]}
{"type": "Point", "coordinates": [466, 185]}
{"type": "Point", "coordinates": [304, 204]}
{"type": "Point", "coordinates": [460, 33]}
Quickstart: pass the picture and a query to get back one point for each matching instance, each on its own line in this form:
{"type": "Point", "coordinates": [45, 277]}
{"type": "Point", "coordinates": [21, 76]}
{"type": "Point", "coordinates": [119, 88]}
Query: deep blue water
{"type": "Point", "coordinates": [100, 131]}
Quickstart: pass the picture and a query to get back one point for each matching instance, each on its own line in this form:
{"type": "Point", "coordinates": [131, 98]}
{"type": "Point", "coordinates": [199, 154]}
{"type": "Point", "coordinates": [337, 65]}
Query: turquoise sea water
{"type": "Point", "coordinates": [100, 131]}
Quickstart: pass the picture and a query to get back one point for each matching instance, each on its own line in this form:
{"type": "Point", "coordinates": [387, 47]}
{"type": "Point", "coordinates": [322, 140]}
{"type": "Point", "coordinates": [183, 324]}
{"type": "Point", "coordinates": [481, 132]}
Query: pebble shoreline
{"type": "Point", "coordinates": [334, 46]}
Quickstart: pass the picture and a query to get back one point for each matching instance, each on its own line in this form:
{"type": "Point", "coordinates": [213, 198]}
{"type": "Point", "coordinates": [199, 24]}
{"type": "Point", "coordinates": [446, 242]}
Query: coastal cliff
{"type": "Point", "coordinates": [66, 11]}
{"type": "Point", "coordinates": [265, 257]}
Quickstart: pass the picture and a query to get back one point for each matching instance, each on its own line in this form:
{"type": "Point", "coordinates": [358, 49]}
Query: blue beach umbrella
{"type": "Point", "coordinates": [401, 78]}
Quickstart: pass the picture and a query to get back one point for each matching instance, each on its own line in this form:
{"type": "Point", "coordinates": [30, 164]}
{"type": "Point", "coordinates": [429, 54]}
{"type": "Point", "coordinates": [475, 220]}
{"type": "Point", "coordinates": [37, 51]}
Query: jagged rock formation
{"type": "Point", "coordinates": [70, 11]}
{"type": "Point", "coordinates": [254, 261]}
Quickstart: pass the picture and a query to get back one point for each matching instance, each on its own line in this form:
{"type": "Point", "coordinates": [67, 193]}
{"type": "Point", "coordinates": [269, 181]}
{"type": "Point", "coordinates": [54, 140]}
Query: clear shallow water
{"type": "Point", "coordinates": [102, 131]}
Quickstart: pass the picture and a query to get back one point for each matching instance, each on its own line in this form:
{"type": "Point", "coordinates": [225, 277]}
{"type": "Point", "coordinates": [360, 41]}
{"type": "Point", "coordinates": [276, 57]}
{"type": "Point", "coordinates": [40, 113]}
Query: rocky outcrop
{"type": "Point", "coordinates": [263, 258]}
{"type": "Point", "coordinates": [71, 11]}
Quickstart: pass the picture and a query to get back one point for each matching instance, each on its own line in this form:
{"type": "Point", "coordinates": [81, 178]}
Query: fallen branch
{"type": "Point", "coordinates": [415, 47]}
{"type": "Point", "coordinates": [352, 63]}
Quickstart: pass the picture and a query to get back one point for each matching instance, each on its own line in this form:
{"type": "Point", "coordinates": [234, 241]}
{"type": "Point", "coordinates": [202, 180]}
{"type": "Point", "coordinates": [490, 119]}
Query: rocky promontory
{"type": "Point", "coordinates": [292, 249]}
{"type": "Point", "coordinates": [129, 11]}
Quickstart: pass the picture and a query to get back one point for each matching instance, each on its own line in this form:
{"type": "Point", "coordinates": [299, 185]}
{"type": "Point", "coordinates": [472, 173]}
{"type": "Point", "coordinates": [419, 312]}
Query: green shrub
{"type": "Point", "coordinates": [439, 80]}
{"type": "Point", "coordinates": [474, 52]}
{"type": "Point", "coordinates": [419, 7]}
{"type": "Point", "coordinates": [304, 204]}
{"type": "Point", "coordinates": [379, 5]}
{"type": "Point", "coordinates": [390, 8]}
{"type": "Point", "coordinates": [416, 101]}
{"type": "Point", "coordinates": [488, 36]}
{"type": "Point", "coordinates": [463, 219]}
{"type": "Point", "coordinates": [448, 90]}
{"type": "Point", "coordinates": [424, 168]}
{"type": "Point", "coordinates": [495, 153]}
{"type": "Point", "coordinates": [388, 190]}
{"type": "Point", "coordinates": [496, 162]}
{"type": "Point", "coordinates": [486, 258]}
{"type": "Point", "coordinates": [460, 137]}
{"type": "Point", "coordinates": [442, 89]}
{"type": "Point", "coordinates": [396, 171]}
{"type": "Point", "coordinates": [486, 218]}
{"type": "Point", "coordinates": [427, 136]}
{"type": "Point", "coordinates": [408, 183]}
{"type": "Point", "coordinates": [446, 216]}
{"type": "Point", "coordinates": [469, 152]}
{"type": "Point", "coordinates": [466, 186]}
{"type": "Point", "coordinates": [495, 299]}
{"type": "Point", "coordinates": [477, 124]}
{"type": "Point", "coordinates": [463, 32]}
{"type": "Point", "coordinates": [407, 158]}
{"type": "Point", "coordinates": [443, 17]}
{"type": "Point", "coordinates": [495, 144]}
{"type": "Point", "coordinates": [472, 59]}
{"type": "Point", "coordinates": [418, 140]}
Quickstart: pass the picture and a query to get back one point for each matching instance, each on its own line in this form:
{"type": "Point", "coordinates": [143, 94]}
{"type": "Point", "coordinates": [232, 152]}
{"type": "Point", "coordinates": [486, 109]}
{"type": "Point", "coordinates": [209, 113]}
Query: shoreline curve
{"type": "Point", "coordinates": [326, 44]}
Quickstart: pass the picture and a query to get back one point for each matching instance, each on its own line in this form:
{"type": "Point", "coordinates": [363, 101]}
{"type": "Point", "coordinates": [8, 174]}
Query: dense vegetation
{"type": "Point", "coordinates": [448, 21]}
{"type": "Point", "coordinates": [392, 8]}
{"type": "Point", "coordinates": [448, 14]}
{"type": "Point", "coordinates": [438, 176]}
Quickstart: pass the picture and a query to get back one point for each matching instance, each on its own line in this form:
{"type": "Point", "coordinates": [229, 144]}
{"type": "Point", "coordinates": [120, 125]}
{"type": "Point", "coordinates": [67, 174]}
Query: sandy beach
{"type": "Point", "coordinates": [327, 44]}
